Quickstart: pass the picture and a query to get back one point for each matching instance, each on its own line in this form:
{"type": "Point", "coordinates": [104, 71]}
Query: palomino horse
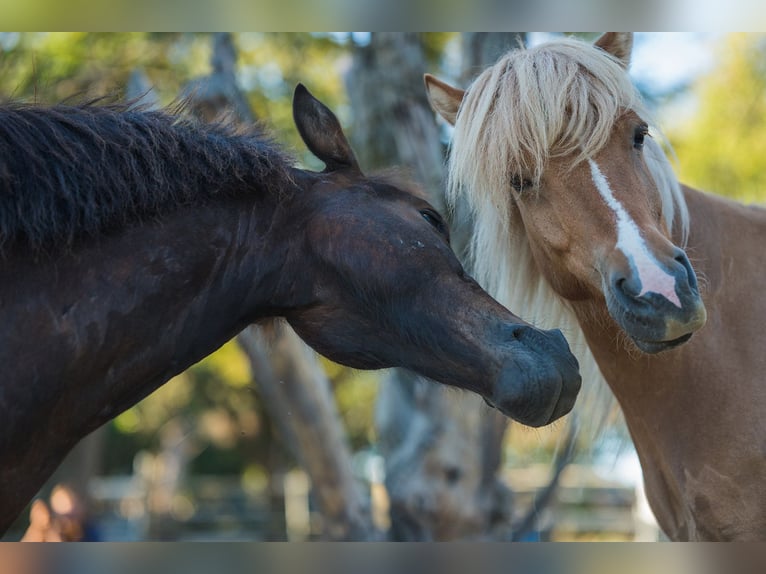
{"type": "Point", "coordinates": [580, 222]}
{"type": "Point", "coordinates": [135, 243]}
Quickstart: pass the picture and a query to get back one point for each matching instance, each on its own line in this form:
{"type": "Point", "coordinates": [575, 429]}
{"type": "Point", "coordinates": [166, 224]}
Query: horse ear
{"type": "Point", "coordinates": [321, 131]}
{"type": "Point", "coordinates": [618, 44]}
{"type": "Point", "coordinates": [444, 99]}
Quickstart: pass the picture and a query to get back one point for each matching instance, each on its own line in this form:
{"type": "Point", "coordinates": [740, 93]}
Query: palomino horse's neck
{"type": "Point", "coordinates": [695, 413]}
{"type": "Point", "coordinates": [186, 284]}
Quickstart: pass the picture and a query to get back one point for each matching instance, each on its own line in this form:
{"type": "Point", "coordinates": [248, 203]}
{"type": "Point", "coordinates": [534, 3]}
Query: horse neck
{"type": "Point", "coordinates": [101, 327]}
{"type": "Point", "coordinates": [719, 233]}
{"type": "Point", "coordinates": [220, 268]}
{"type": "Point", "coordinates": [720, 363]}
{"type": "Point", "coordinates": [699, 407]}
{"type": "Point", "coordinates": [124, 315]}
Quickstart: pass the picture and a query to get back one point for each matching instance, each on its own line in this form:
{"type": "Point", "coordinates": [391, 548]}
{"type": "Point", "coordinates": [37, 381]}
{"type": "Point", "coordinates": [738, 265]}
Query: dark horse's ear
{"type": "Point", "coordinates": [321, 131]}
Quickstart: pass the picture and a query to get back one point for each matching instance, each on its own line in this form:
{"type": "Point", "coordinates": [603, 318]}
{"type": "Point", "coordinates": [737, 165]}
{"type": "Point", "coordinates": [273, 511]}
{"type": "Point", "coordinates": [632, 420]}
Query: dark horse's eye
{"type": "Point", "coordinates": [435, 220]}
{"type": "Point", "coordinates": [639, 134]}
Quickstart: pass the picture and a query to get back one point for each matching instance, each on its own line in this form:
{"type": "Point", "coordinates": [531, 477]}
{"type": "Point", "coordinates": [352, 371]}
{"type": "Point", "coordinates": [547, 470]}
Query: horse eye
{"type": "Point", "coordinates": [639, 134]}
{"type": "Point", "coordinates": [520, 183]}
{"type": "Point", "coordinates": [435, 220]}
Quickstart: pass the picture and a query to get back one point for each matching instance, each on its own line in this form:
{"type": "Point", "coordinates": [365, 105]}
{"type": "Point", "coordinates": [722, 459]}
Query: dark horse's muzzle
{"type": "Point", "coordinates": [540, 383]}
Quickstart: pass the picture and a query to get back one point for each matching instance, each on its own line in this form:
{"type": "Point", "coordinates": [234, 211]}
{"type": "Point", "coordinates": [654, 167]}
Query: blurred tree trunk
{"type": "Point", "coordinates": [442, 448]}
{"type": "Point", "coordinates": [218, 94]}
{"type": "Point", "coordinates": [290, 380]}
{"type": "Point", "coordinates": [482, 49]}
{"type": "Point", "coordinates": [298, 394]}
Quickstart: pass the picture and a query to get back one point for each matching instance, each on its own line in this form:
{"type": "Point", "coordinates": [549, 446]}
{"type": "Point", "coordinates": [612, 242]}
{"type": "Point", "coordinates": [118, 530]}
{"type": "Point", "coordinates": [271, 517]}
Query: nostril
{"type": "Point", "coordinates": [679, 256]}
{"type": "Point", "coordinates": [626, 286]}
{"type": "Point", "coordinates": [621, 285]}
{"type": "Point", "coordinates": [683, 260]}
{"type": "Point", "coordinates": [539, 341]}
{"type": "Point", "coordinates": [513, 330]}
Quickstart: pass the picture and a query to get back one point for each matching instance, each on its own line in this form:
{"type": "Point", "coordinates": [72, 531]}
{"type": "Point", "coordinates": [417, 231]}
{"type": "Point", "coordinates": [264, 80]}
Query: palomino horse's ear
{"type": "Point", "coordinates": [444, 99]}
{"type": "Point", "coordinates": [618, 44]}
{"type": "Point", "coordinates": [321, 131]}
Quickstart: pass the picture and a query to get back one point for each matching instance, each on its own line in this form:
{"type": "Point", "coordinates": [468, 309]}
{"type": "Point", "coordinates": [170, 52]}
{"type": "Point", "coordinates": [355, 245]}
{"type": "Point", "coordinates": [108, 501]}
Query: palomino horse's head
{"type": "Point", "coordinates": [552, 150]}
{"type": "Point", "coordinates": [387, 290]}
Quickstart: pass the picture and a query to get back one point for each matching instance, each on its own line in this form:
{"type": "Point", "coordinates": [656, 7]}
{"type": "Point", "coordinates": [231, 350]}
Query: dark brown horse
{"type": "Point", "coordinates": [135, 243]}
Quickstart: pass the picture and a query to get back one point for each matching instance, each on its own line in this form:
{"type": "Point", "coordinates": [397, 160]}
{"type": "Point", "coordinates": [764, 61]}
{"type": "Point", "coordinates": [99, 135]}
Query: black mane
{"type": "Point", "coordinates": [68, 172]}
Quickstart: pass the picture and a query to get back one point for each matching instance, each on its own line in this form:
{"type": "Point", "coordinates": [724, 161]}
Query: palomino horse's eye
{"type": "Point", "coordinates": [435, 220]}
{"type": "Point", "coordinates": [520, 183]}
{"type": "Point", "coordinates": [639, 134]}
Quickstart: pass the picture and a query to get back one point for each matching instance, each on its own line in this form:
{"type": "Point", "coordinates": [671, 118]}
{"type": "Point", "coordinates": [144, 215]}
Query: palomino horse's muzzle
{"type": "Point", "coordinates": [658, 307]}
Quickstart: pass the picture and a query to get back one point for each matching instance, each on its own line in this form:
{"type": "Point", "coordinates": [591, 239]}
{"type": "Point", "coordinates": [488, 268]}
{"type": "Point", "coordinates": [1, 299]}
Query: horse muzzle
{"type": "Point", "coordinates": [657, 320]}
{"type": "Point", "coordinates": [540, 381]}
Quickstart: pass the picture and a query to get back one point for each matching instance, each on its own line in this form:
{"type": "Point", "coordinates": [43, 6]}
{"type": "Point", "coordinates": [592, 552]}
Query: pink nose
{"type": "Point", "coordinates": [673, 282]}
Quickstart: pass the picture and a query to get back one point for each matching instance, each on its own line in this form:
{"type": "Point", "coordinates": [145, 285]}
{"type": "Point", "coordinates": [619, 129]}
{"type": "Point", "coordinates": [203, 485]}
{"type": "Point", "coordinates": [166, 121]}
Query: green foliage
{"type": "Point", "coordinates": [355, 393]}
{"type": "Point", "coordinates": [434, 46]}
{"type": "Point", "coordinates": [225, 428]}
{"type": "Point", "coordinates": [50, 67]}
{"type": "Point", "coordinates": [270, 66]}
{"type": "Point", "coordinates": [215, 404]}
{"type": "Point", "coordinates": [722, 148]}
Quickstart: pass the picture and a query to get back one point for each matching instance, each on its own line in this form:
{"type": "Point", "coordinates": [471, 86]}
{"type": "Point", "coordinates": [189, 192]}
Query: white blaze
{"type": "Point", "coordinates": [652, 276]}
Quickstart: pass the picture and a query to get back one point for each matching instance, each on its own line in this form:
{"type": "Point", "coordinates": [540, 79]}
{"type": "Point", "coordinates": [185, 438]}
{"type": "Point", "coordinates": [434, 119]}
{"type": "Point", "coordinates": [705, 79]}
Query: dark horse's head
{"type": "Point", "coordinates": [387, 290]}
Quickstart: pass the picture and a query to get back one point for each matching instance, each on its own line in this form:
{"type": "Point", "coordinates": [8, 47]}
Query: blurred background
{"type": "Point", "coordinates": [264, 440]}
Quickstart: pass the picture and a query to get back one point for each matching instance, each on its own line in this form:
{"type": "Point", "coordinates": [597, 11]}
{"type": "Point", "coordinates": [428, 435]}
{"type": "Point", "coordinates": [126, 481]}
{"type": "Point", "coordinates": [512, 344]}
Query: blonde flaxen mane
{"type": "Point", "coordinates": [557, 99]}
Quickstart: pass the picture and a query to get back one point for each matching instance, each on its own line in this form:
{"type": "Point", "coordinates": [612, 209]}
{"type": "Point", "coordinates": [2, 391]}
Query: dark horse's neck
{"type": "Point", "coordinates": [68, 172]}
{"type": "Point", "coordinates": [163, 293]}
